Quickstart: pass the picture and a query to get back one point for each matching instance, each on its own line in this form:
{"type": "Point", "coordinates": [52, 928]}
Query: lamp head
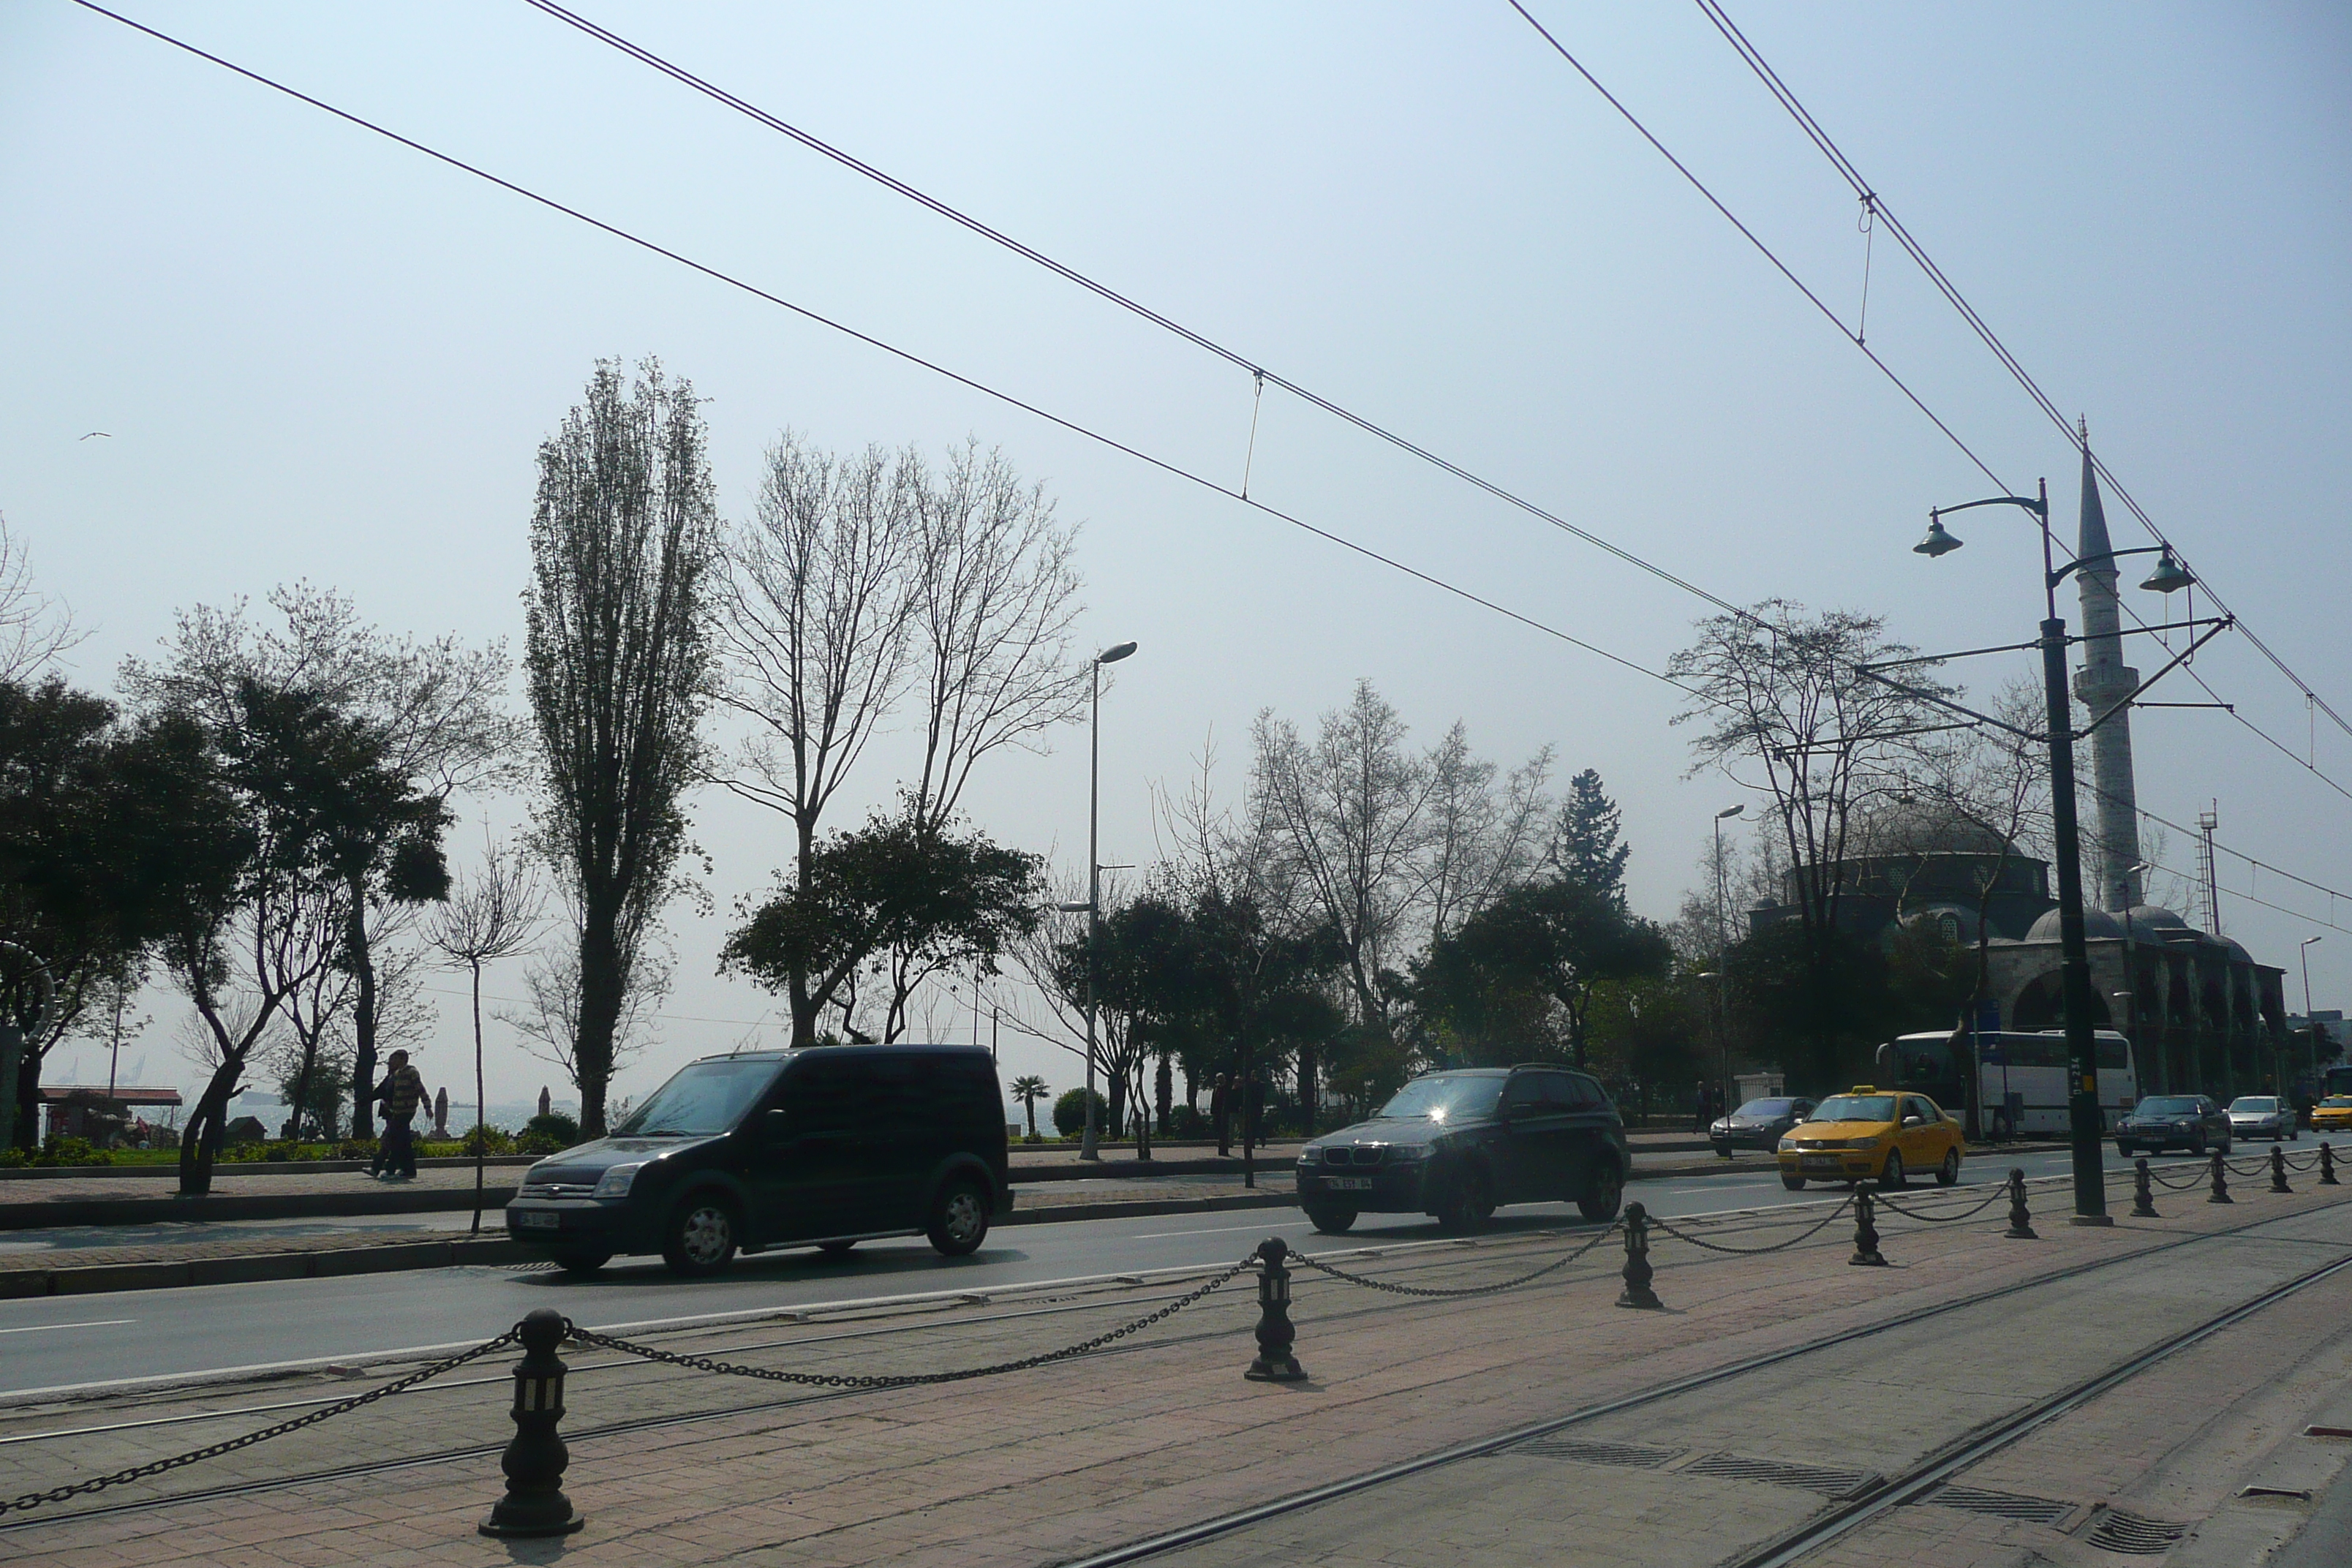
{"type": "Point", "coordinates": [1113, 654]}
{"type": "Point", "coordinates": [2169, 576]}
{"type": "Point", "coordinates": [1938, 542]}
{"type": "Point", "coordinates": [1731, 811]}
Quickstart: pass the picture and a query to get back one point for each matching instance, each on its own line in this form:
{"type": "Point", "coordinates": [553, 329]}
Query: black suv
{"type": "Point", "coordinates": [2191, 1121]}
{"type": "Point", "coordinates": [1456, 1144]}
{"type": "Point", "coordinates": [826, 1147]}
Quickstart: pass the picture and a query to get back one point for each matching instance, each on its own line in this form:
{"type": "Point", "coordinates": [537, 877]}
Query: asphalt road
{"type": "Point", "coordinates": [56, 1342]}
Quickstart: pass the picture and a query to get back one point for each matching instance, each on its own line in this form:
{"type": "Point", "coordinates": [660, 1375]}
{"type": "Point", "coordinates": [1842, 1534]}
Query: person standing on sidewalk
{"type": "Point", "coordinates": [400, 1093]}
{"type": "Point", "coordinates": [1699, 1107]}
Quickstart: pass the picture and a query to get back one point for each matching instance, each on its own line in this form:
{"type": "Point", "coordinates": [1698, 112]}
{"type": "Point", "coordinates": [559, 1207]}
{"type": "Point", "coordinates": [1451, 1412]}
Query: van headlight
{"type": "Point", "coordinates": [616, 1180]}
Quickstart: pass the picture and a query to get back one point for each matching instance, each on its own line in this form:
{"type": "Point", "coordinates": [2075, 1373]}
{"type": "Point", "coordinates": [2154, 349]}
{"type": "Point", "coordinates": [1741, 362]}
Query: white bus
{"type": "Point", "coordinates": [2021, 1078]}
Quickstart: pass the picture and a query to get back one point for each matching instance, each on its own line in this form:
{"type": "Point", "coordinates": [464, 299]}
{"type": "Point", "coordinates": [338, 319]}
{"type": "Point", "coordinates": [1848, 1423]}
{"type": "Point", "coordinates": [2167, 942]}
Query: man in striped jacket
{"type": "Point", "coordinates": [399, 1094]}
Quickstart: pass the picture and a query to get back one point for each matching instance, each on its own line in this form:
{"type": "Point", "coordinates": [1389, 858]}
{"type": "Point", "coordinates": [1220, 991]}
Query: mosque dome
{"type": "Point", "coordinates": [2096, 924]}
{"type": "Point", "coordinates": [1925, 828]}
{"type": "Point", "coordinates": [2155, 916]}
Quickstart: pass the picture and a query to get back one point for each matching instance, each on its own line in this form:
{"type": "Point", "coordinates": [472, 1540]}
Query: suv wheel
{"type": "Point", "coordinates": [1603, 1192]}
{"type": "Point", "coordinates": [1469, 1201]}
{"type": "Point", "coordinates": [1330, 1219]}
{"type": "Point", "coordinates": [701, 1236]}
{"type": "Point", "coordinates": [960, 1218]}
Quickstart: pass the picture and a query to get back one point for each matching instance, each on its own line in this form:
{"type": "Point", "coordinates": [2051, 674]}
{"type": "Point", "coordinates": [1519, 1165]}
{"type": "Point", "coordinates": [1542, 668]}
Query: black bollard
{"type": "Point", "coordinates": [2143, 1193]}
{"type": "Point", "coordinates": [2220, 1194]}
{"type": "Point", "coordinates": [2021, 1218]}
{"type": "Point", "coordinates": [1865, 1231]}
{"type": "Point", "coordinates": [1638, 1272]}
{"type": "Point", "coordinates": [2278, 1169]}
{"type": "Point", "coordinates": [1275, 1335]}
{"type": "Point", "coordinates": [535, 1459]}
{"type": "Point", "coordinates": [2327, 1167]}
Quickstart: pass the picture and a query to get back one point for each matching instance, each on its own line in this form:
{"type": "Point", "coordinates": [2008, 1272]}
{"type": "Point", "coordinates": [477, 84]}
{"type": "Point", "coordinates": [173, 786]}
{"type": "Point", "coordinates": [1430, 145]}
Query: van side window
{"type": "Point", "coordinates": [1586, 1094]}
{"type": "Point", "coordinates": [822, 1096]}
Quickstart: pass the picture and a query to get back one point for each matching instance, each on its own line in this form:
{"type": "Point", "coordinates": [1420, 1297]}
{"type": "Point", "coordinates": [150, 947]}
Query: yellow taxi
{"type": "Point", "coordinates": [2333, 1114]}
{"type": "Point", "coordinates": [1871, 1134]}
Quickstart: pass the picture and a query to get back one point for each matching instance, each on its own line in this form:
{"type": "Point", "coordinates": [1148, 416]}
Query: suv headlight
{"type": "Point", "coordinates": [616, 1180]}
{"type": "Point", "coordinates": [1310, 1155]}
{"type": "Point", "coordinates": [1406, 1153]}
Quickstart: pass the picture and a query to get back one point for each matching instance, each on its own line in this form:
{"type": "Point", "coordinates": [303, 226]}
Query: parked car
{"type": "Point", "coordinates": [1458, 1145]}
{"type": "Point", "coordinates": [2263, 1116]}
{"type": "Point", "coordinates": [1870, 1133]}
{"type": "Point", "coordinates": [825, 1148]}
{"type": "Point", "coordinates": [2161, 1121]}
{"type": "Point", "coordinates": [1758, 1124]}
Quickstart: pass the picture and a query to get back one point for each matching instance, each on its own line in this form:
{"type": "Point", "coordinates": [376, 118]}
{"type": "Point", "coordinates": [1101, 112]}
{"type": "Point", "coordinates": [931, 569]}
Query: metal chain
{"type": "Point", "coordinates": [1681, 1235]}
{"type": "Point", "coordinates": [157, 1467]}
{"type": "Point", "coordinates": [910, 1380]}
{"type": "Point", "coordinates": [2194, 1178]}
{"type": "Point", "coordinates": [1998, 1195]}
{"type": "Point", "coordinates": [1395, 1290]}
{"type": "Point", "coordinates": [2259, 1168]}
{"type": "Point", "coordinates": [2308, 1162]}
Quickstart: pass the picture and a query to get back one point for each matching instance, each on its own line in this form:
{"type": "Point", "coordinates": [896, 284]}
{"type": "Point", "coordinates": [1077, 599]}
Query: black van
{"type": "Point", "coordinates": [825, 1147]}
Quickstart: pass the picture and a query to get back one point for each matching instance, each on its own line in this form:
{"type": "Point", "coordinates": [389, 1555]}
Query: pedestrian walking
{"type": "Point", "coordinates": [1699, 1107]}
{"type": "Point", "coordinates": [400, 1093]}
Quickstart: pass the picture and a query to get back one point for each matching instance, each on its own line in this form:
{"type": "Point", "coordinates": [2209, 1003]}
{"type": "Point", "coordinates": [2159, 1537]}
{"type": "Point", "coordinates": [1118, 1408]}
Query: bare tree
{"type": "Point", "coordinates": [1482, 840]}
{"type": "Point", "coordinates": [622, 537]}
{"type": "Point", "coordinates": [812, 626]}
{"type": "Point", "coordinates": [489, 915]}
{"type": "Point", "coordinates": [34, 628]}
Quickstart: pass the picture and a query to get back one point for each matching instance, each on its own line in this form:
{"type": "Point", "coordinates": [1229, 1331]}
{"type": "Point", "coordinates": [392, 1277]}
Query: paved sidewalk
{"type": "Point", "coordinates": [1044, 1465]}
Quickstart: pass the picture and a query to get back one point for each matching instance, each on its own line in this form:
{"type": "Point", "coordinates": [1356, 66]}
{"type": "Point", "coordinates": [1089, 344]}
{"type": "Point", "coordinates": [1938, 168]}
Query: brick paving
{"type": "Point", "coordinates": [1051, 1463]}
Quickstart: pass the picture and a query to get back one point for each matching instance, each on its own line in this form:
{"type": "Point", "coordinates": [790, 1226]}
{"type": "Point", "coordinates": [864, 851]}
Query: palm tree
{"type": "Point", "coordinates": [1029, 1090]}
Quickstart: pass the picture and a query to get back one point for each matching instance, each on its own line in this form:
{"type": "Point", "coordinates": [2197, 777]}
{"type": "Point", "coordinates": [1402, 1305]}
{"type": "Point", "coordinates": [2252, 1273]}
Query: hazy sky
{"type": "Point", "coordinates": [320, 355]}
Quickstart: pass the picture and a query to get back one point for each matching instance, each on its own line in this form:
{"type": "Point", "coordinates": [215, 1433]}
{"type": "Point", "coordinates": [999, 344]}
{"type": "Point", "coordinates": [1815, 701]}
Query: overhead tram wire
{"type": "Point", "coordinates": [1829, 149]}
{"type": "Point", "coordinates": [909, 356]}
{"type": "Point", "coordinates": [1126, 302]}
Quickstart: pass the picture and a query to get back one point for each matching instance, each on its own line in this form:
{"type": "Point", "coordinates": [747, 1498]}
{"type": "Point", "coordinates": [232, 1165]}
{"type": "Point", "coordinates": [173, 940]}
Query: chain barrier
{"type": "Point", "coordinates": [2308, 1162]}
{"type": "Point", "coordinates": [230, 1446]}
{"type": "Point", "coordinates": [1681, 1235]}
{"type": "Point", "coordinates": [908, 1379]}
{"type": "Point", "coordinates": [1395, 1290]}
{"type": "Point", "coordinates": [2193, 1177]}
{"type": "Point", "coordinates": [1998, 1195]}
{"type": "Point", "coordinates": [2258, 1168]}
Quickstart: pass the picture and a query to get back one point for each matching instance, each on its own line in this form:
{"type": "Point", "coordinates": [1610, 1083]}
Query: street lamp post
{"type": "Point", "coordinates": [2310, 1024]}
{"type": "Point", "coordinates": [2075, 959]}
{"type": "Point", "coordinates": [1723, 961]}
{"type": "Point", "coordinates": [1086, 1150]}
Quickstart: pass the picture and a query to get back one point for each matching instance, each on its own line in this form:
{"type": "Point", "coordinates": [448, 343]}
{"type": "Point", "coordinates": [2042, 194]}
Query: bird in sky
{"type": "Point", "coordinates": [108, 434]}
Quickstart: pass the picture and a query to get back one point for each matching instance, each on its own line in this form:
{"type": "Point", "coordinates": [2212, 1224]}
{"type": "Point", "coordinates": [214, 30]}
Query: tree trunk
{"type": "Point", "coordinates": [207, 1129]}
{"type": "Point", "coordinates": [1306, 1065]}
{"type": "Point", "coordinates": [1167, 1087]}
{"type": "Point", "coordinates": [26, 1132]}
{"type": "Point", "coordinates": [603, 990]}
{"type": "Point", "coordinates": [362, 963]}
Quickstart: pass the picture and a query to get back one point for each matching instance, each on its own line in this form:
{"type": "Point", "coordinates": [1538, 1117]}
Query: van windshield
{"type": "Point", "coordinates": [704, 1098]}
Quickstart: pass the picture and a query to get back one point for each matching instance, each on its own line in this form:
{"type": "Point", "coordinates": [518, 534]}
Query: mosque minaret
{"type": "Point", "coordinates": [2103, 680]}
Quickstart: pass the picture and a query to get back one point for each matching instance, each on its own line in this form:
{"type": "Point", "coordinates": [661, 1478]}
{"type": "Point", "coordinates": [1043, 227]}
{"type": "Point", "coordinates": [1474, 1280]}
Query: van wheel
{"type": "Point", "coordinates": [1602, 1193]}
{"type": "Point", "coordinates": [960, 1218]}
{"type": "Point", "coordinates": [580, 1264]}
{"type": "Point", "coordinates": [1330, 1221]}
{"type": "Point", "coordinates": [700, 1237]}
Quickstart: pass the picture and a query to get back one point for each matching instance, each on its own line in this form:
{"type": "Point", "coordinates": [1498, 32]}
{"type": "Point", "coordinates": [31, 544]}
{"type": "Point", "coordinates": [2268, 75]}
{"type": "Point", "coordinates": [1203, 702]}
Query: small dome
{"type": "Point", "coordinates": [2156, 915]}
{"type": "Point", "coordinates": [2097, 924]}
{"type": "Point", "coordinates": [2237, 950]}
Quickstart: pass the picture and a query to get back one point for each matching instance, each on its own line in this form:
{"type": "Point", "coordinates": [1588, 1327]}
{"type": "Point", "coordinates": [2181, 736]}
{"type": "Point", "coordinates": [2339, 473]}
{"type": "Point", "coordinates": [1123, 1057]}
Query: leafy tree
{"type": "Point", "coordinates": [1029, 1090]}
{"type": "Point", "coordinates": [1070, 1111]}
{"type": "Point", "coordinates": [621, 536]}
{"type": "Point", "coordinates": [1543, 945]}
{"type": "Point", "coordinates": [1585, 846]}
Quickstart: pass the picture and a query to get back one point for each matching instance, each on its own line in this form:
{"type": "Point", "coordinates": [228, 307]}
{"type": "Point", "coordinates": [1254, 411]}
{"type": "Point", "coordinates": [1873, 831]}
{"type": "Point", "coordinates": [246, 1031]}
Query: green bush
{"type": "Point", "coordinates": [57, 1150]}
{"type": "Point", "coordinates": [564, 1129]}
{"type": "Point", "coordinates": [536, 1143]}
{"type": "Point", "coordinates": [1184, 1121]}
{"type": "Point", "coordinates": [486, 1141]}
{"type": "Point", "coordinates": [1070, 1113]}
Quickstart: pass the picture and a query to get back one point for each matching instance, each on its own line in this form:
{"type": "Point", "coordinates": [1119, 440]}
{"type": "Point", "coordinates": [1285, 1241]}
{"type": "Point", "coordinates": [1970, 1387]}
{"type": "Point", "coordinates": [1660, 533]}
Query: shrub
{"type": "Point", "coordinates": [564, 1129]}
{"type": "Point", "coordinates": [486, 1141]}
{"type": "Point", "coordinates": [355, 1149]}
{"type": "Point", "coordinates": [1070, 1113]}
{"type": "Point", "coordinates": [57, 1150]}
{"type": "Point", "coordinates": [540, 1143]}
{"type": "Point", "coordinates": [1186, 1122]}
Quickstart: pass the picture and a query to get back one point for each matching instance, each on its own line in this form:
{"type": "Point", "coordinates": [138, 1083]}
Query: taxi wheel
{"type": "Point", "coordinates": [1948, 1173]}
{"type": "Point", "coordinates": [1890, 1175]}
{"type": "Point", "coordinates": [1794, 1184]}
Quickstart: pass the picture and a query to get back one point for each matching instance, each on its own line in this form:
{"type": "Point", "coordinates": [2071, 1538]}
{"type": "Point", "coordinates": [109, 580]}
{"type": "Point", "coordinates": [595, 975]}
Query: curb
{"type": "Point", "coordinates": [102, 1279]}
{"type": "Point", "coordinates": [58, 1212]}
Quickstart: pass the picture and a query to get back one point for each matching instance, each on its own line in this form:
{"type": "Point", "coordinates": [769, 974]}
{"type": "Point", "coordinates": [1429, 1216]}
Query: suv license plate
{"type": "Point", "coordinates": [1349, 1183]}
{"type": "Point", "coordinates": [530, 1220]}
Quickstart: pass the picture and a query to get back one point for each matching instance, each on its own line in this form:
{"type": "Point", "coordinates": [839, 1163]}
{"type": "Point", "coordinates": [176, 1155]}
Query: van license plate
{"type": "Point", "coordinates": [1349, 1183]}
{"type": "Point", "coordinates": [529, 1220]}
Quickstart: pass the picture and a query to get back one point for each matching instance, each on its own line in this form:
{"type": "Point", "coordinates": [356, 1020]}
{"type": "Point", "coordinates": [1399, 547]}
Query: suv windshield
{"type": "Point", "coordinates": [1855, 1108]}
{"type": "Point", "coordinates": [2168, 1105]}
{"type": "Point", "coordinates": [2263, 1103]}
{"type": "Point", "coordinates": [1767, 1110]}
{"type": "Point", "coordinates": [1443, 1097]}
{"type": "Point", "coordinates": [703, 1099]}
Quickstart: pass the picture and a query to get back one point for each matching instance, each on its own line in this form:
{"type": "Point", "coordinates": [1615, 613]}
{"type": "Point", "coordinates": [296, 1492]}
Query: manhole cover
{"type": "Point", "coordinates": [1631, 1456]}
{"type": "Point", "coordinates": [2129, 1533]}
{"type": "Point", "coordinates": [1783, 1473]}
{"type": "Point", "coordinates": [2001, 1505]}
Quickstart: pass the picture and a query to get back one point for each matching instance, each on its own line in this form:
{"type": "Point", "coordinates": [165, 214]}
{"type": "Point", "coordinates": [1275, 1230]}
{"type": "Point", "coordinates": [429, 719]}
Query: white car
{"type": "Point", "coordinates": [2263, 1116]}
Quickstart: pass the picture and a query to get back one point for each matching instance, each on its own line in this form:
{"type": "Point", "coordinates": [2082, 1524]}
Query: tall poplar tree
{"type": "Point", "coordinates": [622, 537]}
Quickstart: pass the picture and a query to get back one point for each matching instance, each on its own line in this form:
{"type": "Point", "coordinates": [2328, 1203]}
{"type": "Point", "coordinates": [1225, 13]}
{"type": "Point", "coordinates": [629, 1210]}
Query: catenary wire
{"type": "Point", "coordinates": [1163, 465]}
{"type": "Point", "coordinates": [1126, 302]}
{"type": "Point", "coordinates": [1820, 139]}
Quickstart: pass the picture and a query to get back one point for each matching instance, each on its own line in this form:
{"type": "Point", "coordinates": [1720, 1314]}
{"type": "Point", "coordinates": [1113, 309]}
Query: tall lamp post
{"type": "Point", "coordinates": [1723, 961]}
{"type": "Point", "coordinates": [2075, 973]}
{"type": "Point", "coordinates": [2310, 1024]}
{"type": "Point", "coordinates": [1086, 1150]}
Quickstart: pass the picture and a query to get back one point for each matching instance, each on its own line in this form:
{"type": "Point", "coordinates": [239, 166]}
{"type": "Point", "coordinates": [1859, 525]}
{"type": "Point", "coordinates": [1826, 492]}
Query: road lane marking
{"type": "Point", "coordinates": [52, 1328]}
{"type": "Point", "coordinates": [1206, 1230]}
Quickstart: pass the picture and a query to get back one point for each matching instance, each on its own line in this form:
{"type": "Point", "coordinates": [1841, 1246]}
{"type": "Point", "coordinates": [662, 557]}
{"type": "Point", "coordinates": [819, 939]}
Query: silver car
{"type": "Point", "coordinates": [2263, 1116]}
